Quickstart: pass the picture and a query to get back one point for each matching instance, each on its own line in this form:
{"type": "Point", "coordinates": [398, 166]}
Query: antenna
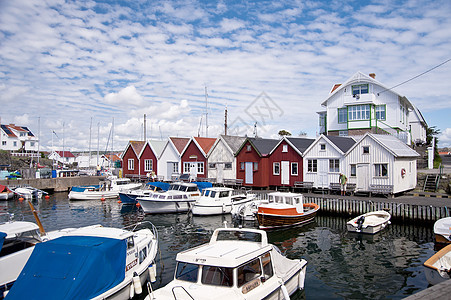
{"type": "Point", "coordinates": [200, 126]}
{"type": "Point", "coordinates": [144, 127]}
{"type": "Point", "coordinates": [225, 121]}
{"type": "Point", "coordinates": [206, 112]}
{"type": "Point", "coordinates": [255, 129]}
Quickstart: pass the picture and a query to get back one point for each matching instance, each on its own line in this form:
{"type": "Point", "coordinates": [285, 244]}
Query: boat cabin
{"type": "Point", "coordinates": [234, 258]}
{"type": "Point", "coordinates": [287, 199]}
{"type": "Point", "coordinates": [217, 193]}
{"type": "Point", "coordinates": [183, 187]}
{"type": "Point", "coordinates": [18, 235]}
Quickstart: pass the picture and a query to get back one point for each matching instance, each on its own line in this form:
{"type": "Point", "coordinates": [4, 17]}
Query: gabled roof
{"type": "Point", "coordinates": [112, 157]}
{"type": "Point", "coordinates": [136, 146]}
{"type": "Point", "coordinates": [342, 142]}
{"type": "Point", "coordinates": [179, 143]}
{"type": "Point", "coordinates": [263, 146]}
{"type": "Point", "coordinates": [157, 146]}
{"type": "Point", "coordinates": [419, 115]}
{"type": "Point", "coordinates": [64, 153]}
{"type": "Point", "coordinates": [300, 143]}
{"type": "Point", "coordinates": [204, 143]}
{"type": "Point", "coordinates": [233, 143]}
{"type": "Point", "coordinates": [9, 130]}
{"type": "Point", "coordinates": [356, 78]}
{"type": "Point", "coordinates": [391, 143]}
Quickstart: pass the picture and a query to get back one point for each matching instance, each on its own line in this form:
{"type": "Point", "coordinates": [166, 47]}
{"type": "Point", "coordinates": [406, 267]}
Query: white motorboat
{"type": "Point", "coordinates": [179, 198]}
{"type": "Point", "coordinates": [92, 262]}
{"type": "Point", "coordinates": [438, 267]}
{"type": "Point", "coordinates": [5, 193]}
{"type": "Point", "coordinates": [371, 222]}
{"type": "Point", "coordinates": [442, 230]}
{"type": "Point", "coordinates": [108, 189]}
{"type": "Point", "coordinates": [28, 192]}
{"type": "Point", "coordinates": [17, 241]}
{"type": "Point", "coordinates": [237, 263]}
{"type": "Point", "coordinates": [247, 211]}
{"type": "Point", "coordinates": [219, 200]}
{"type": "Point", "coordinates": [129, 197]}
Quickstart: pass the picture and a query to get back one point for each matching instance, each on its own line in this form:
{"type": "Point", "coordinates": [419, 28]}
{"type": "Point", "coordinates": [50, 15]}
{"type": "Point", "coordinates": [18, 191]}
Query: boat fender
{"type": "Point", "coordinates": [301, 280]}
{"type": "Point", "coordinates": [137, 284]}
{"type": "Point", "coordinates": [152, 273]}
{"type": "Point", "coordinates": [132, 291]}
{"type": "Point", "coordinates": [286, 296]}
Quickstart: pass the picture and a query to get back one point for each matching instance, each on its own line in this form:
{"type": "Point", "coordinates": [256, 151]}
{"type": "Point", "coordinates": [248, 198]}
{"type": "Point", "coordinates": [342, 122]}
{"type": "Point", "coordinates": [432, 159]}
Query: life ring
{"type": "Point", "coordinates": [403, 172]}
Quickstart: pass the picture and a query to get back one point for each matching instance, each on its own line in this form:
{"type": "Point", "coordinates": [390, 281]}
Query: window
{"type": "Point", "coordinates": [322, 147]}
{"type": "Point", "coordinates": [255, 166]}
{"type": "Point", "coordinates": [248, 148]}
{"type": "Point", "coordinates": [175, 167]}
{"type": "Point", "coordinates": [294, 169]}
{"type": "Point", "coordinates": [32, 144]}
{"type": "Point", "coordinates": [380, 170]}
{"type": "Point", "coordinates": [342, 115]}
{"type": "Point", "coordinates": [148, 165]}
{"type": "Point", "coordinates": [221, 276]}
{"type": "Point", "coordinates": [342, 133]}
{"type": "Point", "coordinates": [14, 144]}
{"type": "Point", "coordinates": [334, 165]}
{"type": "Point", "coordinates": [3, 143]}
{"type": "Point", "coordinates": [267, 266]}
{"type": "Point", "coordinates": [200, 168]}
{"type": "Point", "coordinates": [131, 164]}
{"type": "Point", "coordinates": [380, 112]}
{"type": "Point", "coordinates": [359, 89]}
{"type": "Point", "coordinates": [249, 272]}
{"type": "Point", "coordinates": [186, 272]}
{"type": "Point", "coordinates": [353, 170]}
{"type": "Point", "coordinates": [366, 149]}
{"type": "Point", "coordinates": [228, 166]}
{"type": "Point", "coordinates": [212, 166]}
{"type": "Point", "coordinates": [142, 254]}
{"type": "Point", "coordinates": [276, 168]}
{"type": "Point", "coordinates": [186, 167]}
{"type": "Point", "coordinates": [312, 165]}
{"type": "Point", "coordinates": [358, 112]}
{"type": "Point", "coordinates": [242, 166]}
{"type": "Point", "coordinates": [285, 148]}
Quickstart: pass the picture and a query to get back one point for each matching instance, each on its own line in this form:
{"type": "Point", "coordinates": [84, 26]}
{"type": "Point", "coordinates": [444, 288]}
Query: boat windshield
{"type": "Point", "coordinates": [235, 235]}
{"type": "Point", "coordinates": [121, 182]}
{"type": "Point", "coordinates": [20, 241]}
{"type": "Point", "coordinates": [275, 199]}
{"type": "Point", "coordinates": [191, 189]}
{"type": "Point", "coordinates": [186, 272]}
{"type": "Point", "coordinates": [175, 187]}
{"type": "Point", "coordinates": [224, 194]}
{"type": "Point", "coordinates": [206, 193]}
{"type": "Point", "coordinates": [221, 276]}
{"type": "Point", "coordinates": [212, 194]}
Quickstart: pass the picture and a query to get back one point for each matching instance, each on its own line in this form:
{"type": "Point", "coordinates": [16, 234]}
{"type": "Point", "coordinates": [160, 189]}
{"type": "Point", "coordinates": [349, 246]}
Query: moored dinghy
{"type": "Point", "coordinates": [237, 263]}
{"type": "Point", "coordinates": [284, 210]}
{"type": "Point", "coordinates": [442, 230]}
{"type": "Point", "coordinates": [92, 262]}
{"type": "Point", "coordinates": [438, 267]}
{"type": "Point", "coordinates": [371, 222]}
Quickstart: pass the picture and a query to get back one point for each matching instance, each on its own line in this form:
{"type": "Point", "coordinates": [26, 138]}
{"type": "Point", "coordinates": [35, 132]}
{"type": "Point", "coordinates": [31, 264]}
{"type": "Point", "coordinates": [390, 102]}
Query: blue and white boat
{"type": "Point", "coordinates": [108, 189]}
{"type": "Point", "coordinates": [92, 262]}
{"type": "Point", "coordinates": [129, 197]}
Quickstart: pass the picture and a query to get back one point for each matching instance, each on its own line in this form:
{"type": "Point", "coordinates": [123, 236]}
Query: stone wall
{"type": "Point", "coordinates": [444, 183]}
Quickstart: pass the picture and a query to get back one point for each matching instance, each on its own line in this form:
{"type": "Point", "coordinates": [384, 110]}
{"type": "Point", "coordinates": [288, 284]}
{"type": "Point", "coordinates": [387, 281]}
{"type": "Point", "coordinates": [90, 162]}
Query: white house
{"type": "Point", "coordinates": [14, 138]}
{"type": "Point", "coordinates": [418, 126]}
{"type": "Point", "coordinates": [221, 157]}
{"type": "Point", "coordinates": [381, 159]}
{"type": "Point", "coordinates": [362, 104]}
{"type": "Point", "coordinates": [324, 159]}
{"type": "Point", "coordinates": [64, 157]}
{"type": "Point", "coordinates": [169, 160]}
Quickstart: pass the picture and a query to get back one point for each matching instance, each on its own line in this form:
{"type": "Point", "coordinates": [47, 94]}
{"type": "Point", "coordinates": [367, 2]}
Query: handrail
{"type": "Point", "coordinates": [179, 286]}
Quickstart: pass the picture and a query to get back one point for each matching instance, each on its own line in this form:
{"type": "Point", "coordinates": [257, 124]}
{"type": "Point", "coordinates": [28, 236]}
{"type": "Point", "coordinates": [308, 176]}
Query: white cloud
{"type": "Point", "coordinates": [445, 138]}
{"type": "Point", "coordinates": [126, 96]}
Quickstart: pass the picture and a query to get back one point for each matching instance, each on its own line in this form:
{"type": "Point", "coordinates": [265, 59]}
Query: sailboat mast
{"type": "Point", "coordinates": [206, 112]}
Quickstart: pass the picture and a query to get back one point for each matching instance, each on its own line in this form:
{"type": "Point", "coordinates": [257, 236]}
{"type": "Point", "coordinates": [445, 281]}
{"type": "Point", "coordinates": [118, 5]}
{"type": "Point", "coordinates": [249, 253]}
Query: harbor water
{"type": "Point", "coordinates": [341, 265]}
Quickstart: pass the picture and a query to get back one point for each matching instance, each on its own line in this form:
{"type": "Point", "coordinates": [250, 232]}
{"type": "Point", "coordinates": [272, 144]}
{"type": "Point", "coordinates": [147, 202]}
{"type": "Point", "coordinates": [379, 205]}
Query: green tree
{"type": "Point", "coordinates": [284, 132]}
{"type": "Point", "coordinates": [432, 132]}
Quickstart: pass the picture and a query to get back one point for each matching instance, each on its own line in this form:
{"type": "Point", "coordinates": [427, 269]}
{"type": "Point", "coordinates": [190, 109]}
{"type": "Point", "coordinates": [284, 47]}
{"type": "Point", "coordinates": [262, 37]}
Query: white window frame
{"type": "Point", "coordinates": [284, 148]}
{"type": "Point", "coordinates": [312, 165]}
{"type": "Point", "coordinates": [334, 165]}
{"type": "Point", "coordinates": [200, 168]}
{"type": "Point", "coordinates": [379, 170]}
{"type": "Point", "coordinates": [186, 167]}
{"type": "Point", "coordinates": [131, 164]}
{"type": "Point", "coordinates": [276, 168]}
{"type": "Point", "coordinates": [148, 165]}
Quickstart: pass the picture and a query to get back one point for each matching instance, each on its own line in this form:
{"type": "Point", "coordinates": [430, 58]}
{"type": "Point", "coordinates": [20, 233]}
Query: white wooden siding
{"type": "Point", "coordinates": [221, 154]}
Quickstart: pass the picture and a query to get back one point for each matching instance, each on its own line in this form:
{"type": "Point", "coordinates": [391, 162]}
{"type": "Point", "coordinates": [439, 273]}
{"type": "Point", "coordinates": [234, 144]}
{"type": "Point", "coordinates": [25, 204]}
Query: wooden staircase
{"type": "Point", "coordinates": [431, 183]}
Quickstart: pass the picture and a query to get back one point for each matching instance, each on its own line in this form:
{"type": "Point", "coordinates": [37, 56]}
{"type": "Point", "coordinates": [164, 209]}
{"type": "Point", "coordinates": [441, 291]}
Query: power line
{"type": "Point", "coordinates": [416, 76]}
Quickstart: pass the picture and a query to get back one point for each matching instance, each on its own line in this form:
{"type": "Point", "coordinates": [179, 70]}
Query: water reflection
{"type": "Point", "coordinates": [340, 264]}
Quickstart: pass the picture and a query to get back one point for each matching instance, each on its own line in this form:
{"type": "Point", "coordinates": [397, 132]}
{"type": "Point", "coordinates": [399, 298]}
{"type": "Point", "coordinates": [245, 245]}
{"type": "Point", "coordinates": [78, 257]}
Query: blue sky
{"type": "Point", "coordinates": [75, 66]}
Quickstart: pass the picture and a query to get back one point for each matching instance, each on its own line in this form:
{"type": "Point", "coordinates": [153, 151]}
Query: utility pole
{"type": "Point", "coordinates": [225, 121]}
{"type": "Point", "coordinates": [144, 127]}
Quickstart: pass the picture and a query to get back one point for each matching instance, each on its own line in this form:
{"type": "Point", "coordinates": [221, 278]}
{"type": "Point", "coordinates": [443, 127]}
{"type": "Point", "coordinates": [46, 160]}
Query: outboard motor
{"type": "Point", "coordinates": [360, 223]}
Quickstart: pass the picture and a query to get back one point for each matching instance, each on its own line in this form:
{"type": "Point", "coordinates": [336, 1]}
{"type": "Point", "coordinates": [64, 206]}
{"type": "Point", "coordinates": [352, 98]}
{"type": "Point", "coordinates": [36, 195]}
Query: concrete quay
{"type": "Point", "coordinates": [59, 184]}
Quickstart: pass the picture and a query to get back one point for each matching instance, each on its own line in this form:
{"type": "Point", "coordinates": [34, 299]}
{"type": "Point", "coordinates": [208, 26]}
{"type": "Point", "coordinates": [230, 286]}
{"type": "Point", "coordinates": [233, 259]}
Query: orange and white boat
{"type": "Point", "coordinates": [284, 210]}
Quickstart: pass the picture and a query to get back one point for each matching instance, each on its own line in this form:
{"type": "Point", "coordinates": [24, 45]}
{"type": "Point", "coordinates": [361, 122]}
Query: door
{"type": "Point", "coordinates": [363, 177]}
{"type": "Point", "coordinates": [170, 170]}
{"type": "Point", "coordinates": [323, 173]}
{"type": "Point", "coordinates": [285, 172]}
{"type": "Point", "coordinates": [219, 172]}
{"type": "Point", "coordinates": [249, 170]}
{"type": "Point", "coordinates": [193, 171]}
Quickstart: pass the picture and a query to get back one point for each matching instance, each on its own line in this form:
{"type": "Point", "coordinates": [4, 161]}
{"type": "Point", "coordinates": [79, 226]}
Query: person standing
{"type": "Point", "coordinates": [343, 180]}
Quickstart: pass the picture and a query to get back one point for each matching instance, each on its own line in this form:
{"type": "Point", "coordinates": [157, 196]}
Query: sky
{"type": "Point", "coordinates": [88, 75]}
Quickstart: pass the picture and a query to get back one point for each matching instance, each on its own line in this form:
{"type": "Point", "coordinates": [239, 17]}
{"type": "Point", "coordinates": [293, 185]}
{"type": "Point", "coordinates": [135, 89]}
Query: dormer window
{"type": "Point", "coordinates": [359, 89]}
{"type": "Point", "coordinates": [284, 148]}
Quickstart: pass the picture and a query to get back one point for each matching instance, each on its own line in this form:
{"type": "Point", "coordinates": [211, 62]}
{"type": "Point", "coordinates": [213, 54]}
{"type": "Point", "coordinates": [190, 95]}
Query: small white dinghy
{"type": "Point", "coordinates": [237, 263]}
{"type": "Point", "coordinates": [442, 230]}
{"type": "Point", "coordinates": [370, 223]}
{"type": "Point", "coordinates": [438, 267]}
{"type": "Point", "coordinates": [247, 211]}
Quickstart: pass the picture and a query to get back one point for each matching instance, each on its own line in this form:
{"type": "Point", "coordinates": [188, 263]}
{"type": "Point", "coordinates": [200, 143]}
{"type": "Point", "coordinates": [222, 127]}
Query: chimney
{"type": "Point", "coordinates": [373, 75]}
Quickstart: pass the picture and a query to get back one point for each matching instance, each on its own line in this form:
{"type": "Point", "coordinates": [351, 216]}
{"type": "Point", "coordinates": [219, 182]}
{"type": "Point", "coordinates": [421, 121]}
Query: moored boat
{"type": "Point", "coordinates": [107, 189]}
{"type": "Point", "coordinates": [5, 193]}
{"type": "Point", "coordinates": [92, 262]}
{"type": "Point", "coordinates": [371, 222]}
{"type": "Point", "coordinates": [179, 198]}
{"type": "Point", "coordinates": [247, 211]}
{"type": "Point", "coordinates": [237, 263]}
{"type": "Point", "coordinates": [442, 230]}
{"type": "Point", "coordinates": [28, 192]}
{"type": "Point", "coordinates": [285, 209]}
{"type": "Point", "coordinates": [129, 197]}
{"type": "Point", "coordinates": [219, 200]}
{"type": "Point", "coordinates": [438, 267]}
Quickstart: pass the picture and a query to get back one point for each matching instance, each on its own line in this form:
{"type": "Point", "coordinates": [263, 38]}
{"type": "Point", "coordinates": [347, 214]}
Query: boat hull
{"type": "Point", "coordinates": [442, 231]}
{"type": "Point", "coordinates": [438, 267]}
{"type": "Point", "coordinates": [93, 195]}
{"type": "Point", "coordinates": [274, 220]}
{"type": "Point", "coordinates": [372, 224]}
{"type": "Point", "coordinates": [128, 198]}
{"type": "Point", "coordinates": [154, 206]}
{"type": "Point", "coordinates": [208, 209]}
